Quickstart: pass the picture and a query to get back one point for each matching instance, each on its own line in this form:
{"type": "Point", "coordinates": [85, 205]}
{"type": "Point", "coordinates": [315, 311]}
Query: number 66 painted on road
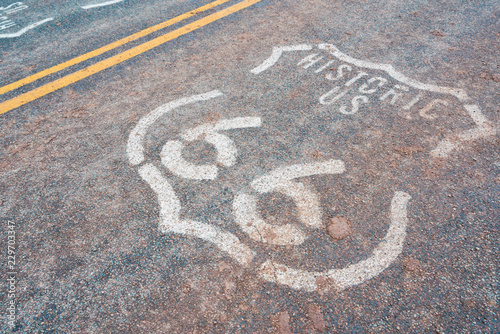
{"type": "Point", "coordinates": [281, 180]}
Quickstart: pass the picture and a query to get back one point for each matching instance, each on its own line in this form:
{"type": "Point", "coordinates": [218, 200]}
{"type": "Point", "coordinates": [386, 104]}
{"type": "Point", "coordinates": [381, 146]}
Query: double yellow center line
{"type": "Point", "coordinates": [121, 57]}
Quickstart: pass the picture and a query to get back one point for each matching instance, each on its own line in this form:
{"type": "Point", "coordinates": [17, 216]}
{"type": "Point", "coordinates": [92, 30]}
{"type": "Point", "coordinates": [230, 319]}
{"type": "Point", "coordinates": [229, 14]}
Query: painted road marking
{"type": "Point", "coordinates": [251, 222]}
{"type": "Point", "coordinates": [333, 50]}
{"type": "Point", "coordinates": [459, 93]}
{"type": "Point", "coordinates": [245, 207]}
{"type": "Point", "coordinates": [171, 154]}
{"type": "Point", "coordinates": [226, 150]}
{"type": "Point", "coordinates": [170, 220]}
{"type": "Point", "coordinates": [306, 200]}
{"type": "Point", "coordinates": [338, 279]}
{"type": "Point", "coordinates": [108, 47]}
{"type": "Point", "coordinates": [361, 88]}
{"type": "Point", "coordinates": [13, 8]}
{"type": "Point", "coordinates": [135, 147]}
{"type": "Point", "coordinates": [484, 129]}
{"type": "Point", "coordinates": [26, 29]}
{"type": "Point", "coordinates": [357, 86]}
{"type": "Point", "coordinates": [102, 65]}
{"type": "Point", "coordinates": [271, 181]}
{"type": "Point", "coordinates": [171, 157]}
{"type": "Point", "coordinates": [102, 4]}
{"type": "Point", "coordinates": [7, 22]}
{"type": "Point", "coordinates": [275, 56]}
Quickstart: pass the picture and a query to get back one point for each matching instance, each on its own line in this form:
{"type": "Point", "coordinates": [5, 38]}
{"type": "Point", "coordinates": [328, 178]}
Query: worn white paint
{"type": "Point", "coordinates": [410, 104]}
{"type": "Point", "coordinates": [326, 98]}
{"type": "Point", "coordinates": [26, 29]}
{"type": "Point", "coordinates": [355, 104]}
{"type": "Point", "coordinates": [477, 115]}
{"type": "Point", "coordinates": [170, 220]}
{"type": "Point", "coordinates": [169, 203]}
{"type": "Point", "coordinates": [226, 150]}
{"type": "Point", "coordinates": [171, 157]}
{"type": "Point", "coordinates": [356, 78]}
{"type": "Point", "coordinates": [341, 72]}
{"type": "Point", "coordinates": [171, 154]}
{"type": "Point", "coordinates": [102, 4]}
{"type": "Point", "coordinates": [272, 180]}
{"type": "Point", "coordinates": [225, 241]}
{"type": "Point", "coordinates": [327, 65]}
{"type": "Point", "coordinates": [484, 129]}
{"type": "Point", "coordinates": [384, 254]}
{"type": "Point", "coordinates": [6, 23]}
{"type": "Point", "coordinates": [250, 222]}
{"type": "Point", "coordinates": [396, 92]}
{"type": "Point", "coordinates": [276, 54]}
{"type": "Point", "coordinates": [283, 179]}
{"type": "Point", "coordinates": [310, 60]}
{"type": "Point", "coordinates": [424, 112]}
{"type": "Point", "coordinates": [223, 125]}
{"type": "Point", "coordinates": [364, 87]}
{"type": "Point", "coordinates": [13, 8]}
{"type": "Point", "coordinates": [306, 200]}
{"type": "Point", "coordinates": [238, 123]}
{"type": "Point", "coordinates": [135, 149]}
{"type": "Point", "coordinates": [389, 69]}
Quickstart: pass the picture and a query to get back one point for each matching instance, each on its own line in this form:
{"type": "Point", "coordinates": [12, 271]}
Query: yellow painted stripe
{"type": "Point", "coordinates": [121, 57]}
{"type": "Point", "coordinates": [107, 48]}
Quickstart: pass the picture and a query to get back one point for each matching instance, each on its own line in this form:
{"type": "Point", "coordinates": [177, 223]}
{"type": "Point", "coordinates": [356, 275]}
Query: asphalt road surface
{"type": "Point", "coordinates": [251, 166]}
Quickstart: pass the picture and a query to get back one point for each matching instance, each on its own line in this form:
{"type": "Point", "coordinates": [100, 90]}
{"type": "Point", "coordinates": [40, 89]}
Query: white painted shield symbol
{"type": "Point", "coordinates": [281, 180]}
{"type": "Point", "coordinates": [346, 97]}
